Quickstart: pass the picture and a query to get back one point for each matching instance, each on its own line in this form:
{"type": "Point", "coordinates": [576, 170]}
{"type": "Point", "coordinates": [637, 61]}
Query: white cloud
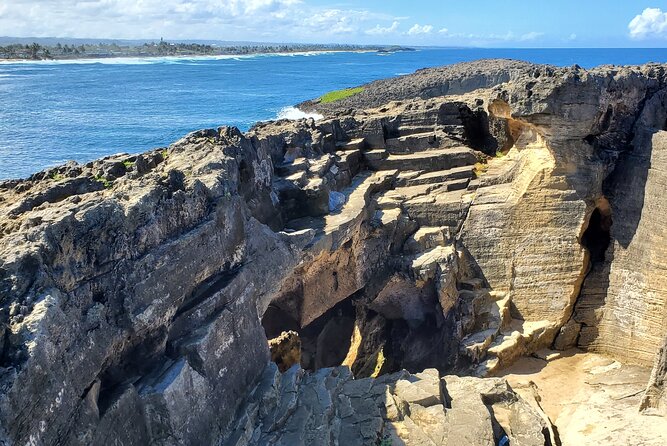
{"type": "Point", "coordinates": [269, 20]}
{"type": "Point", "coordinates": [419, 29]}
{"type": "Point", "coordinates": [530, 36]}
{"type": "Point", "coordinates": [379, 31]}
{"type": "Point", "coordinates": [572, 36]}
{"type": "Point", "coordinates": [250, 20]}
{"type": "Point", "coordinates": [652, 22]}
{"type": "Point", "coordinates": [483, 39]}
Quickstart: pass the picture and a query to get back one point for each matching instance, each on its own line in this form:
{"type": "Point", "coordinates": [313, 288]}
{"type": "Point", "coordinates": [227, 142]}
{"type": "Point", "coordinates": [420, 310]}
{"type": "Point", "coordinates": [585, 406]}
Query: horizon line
{"type": "Point", "coordinates": [263, 42]}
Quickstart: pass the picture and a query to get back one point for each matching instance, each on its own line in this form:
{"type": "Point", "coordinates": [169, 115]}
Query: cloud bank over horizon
{"type": "Point", "coordinates": [652, 22]}
{"type": "Point", "coordinates": [427, 22]}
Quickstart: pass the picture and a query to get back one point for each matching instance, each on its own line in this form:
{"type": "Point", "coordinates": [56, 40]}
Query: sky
{"type": "Point", "coordinates": [482, 23]}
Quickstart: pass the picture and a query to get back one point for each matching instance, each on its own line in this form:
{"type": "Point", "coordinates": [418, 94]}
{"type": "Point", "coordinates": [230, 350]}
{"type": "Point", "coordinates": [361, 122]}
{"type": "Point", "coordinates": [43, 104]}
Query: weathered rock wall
{"type": "Point", "coordinates": [526, 232]}
{"type": "Point", "coordinates": [128, 312]}
{"type": "Point", "coordinates": [622, 306]}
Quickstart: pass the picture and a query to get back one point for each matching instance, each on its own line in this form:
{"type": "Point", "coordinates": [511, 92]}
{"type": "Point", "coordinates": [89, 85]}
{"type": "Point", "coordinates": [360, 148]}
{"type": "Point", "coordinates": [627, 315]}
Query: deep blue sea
{"type": "Point", "coordinates": [55, 111]}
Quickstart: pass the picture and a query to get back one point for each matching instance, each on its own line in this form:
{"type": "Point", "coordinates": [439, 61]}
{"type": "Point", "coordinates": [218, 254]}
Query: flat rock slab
{"type": "Point", "coordinates": [591, 399]}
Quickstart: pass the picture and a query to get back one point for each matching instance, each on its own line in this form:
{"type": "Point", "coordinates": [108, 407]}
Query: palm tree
{"type": "Point", "coordinates": [34, 50]}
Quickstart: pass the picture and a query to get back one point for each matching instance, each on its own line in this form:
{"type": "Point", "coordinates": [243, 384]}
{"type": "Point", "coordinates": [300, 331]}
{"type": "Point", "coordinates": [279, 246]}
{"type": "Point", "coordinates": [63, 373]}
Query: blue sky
{"type": "Point", "coordinates": [487, 23]}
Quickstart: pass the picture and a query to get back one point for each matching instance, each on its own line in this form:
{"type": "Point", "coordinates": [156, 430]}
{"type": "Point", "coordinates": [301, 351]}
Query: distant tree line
{"type": "Point", "coordinates": [36, 51]}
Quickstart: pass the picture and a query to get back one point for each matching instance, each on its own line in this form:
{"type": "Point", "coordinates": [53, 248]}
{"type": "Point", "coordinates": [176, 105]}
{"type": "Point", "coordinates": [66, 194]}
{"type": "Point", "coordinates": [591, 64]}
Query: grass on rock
{"type": "Point", "coordinates": [338, 95]}
{"type": "Point", "coordinates": [106, 183]}
{"type": "Point", "coordinates": [480, 169]}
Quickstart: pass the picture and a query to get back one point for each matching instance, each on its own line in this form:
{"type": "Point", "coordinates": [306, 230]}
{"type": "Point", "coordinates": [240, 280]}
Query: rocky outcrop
{"type": "Point", "coordinates": [457, 233]}
{"type": "Point", "coordinates": [655, 397]}
{"type": "Point", "coordinates": [331, 407]}
{"type": "Point", "coordinates": [124, 303]}
{"type": "Point", "coordinates": [285, 350]}
{"type": "Point", "coordinates": [618, 308]}
{"type": "Point", "coordinates": [428, 83]}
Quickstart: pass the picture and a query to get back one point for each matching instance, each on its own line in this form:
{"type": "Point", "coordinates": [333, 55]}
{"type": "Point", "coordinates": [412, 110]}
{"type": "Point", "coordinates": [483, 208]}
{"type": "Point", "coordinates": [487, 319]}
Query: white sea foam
{"type": "Point", "coordinates": [105, 61]}
{"type": "Point", "coordinates": [165, 59]}
{"type": "Point", "coordinates": [293, 114]}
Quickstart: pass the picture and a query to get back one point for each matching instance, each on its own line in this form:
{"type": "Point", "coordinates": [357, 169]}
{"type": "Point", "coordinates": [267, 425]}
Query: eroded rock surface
{"type": "Point", "coordinates": [589, 398]}
{"type": "Point", "coordinates": [331, 407]}
{"type": "Point", "coordinates": [456, 219]}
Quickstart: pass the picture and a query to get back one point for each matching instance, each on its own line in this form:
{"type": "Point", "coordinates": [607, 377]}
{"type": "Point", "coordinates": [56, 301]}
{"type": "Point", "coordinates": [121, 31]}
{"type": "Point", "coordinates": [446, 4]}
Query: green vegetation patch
{"type": "Point", "coordinates": [106, 183]}
{"type": "Point", "coordinates": [480, 169]}
{"type": "Point", "coordinates": [338, 95]}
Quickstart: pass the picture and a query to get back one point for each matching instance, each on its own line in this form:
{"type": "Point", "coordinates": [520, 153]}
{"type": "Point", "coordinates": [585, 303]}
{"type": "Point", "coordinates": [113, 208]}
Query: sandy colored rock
{"type": "Point", "coordinates": [590, 398]}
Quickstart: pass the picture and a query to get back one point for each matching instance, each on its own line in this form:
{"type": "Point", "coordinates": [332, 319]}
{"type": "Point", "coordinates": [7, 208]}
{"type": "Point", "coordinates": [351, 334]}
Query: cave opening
{"type": "Point", "coordinates": [276, 321]}
{"type": "Point", "coordinates": [324, 342]}
{"type": "Point", "coordinates": [597, 237]}
{"type": "Point", "coordinates": [582, 329]}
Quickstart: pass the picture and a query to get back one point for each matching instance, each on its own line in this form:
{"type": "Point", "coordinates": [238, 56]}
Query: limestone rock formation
{"type": "Point", "coordinates": [451, 221]}
{"type": "Point", "coordinates": [331, 407]}
{"type": "Point", "coordinates": [285, 350]}
{"type": "Point", "coordinates": [655, 397]}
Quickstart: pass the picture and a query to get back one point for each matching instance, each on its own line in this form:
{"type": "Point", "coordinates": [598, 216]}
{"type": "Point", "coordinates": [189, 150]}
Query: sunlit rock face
{"type": "Point", "coordinates": [449, 221]}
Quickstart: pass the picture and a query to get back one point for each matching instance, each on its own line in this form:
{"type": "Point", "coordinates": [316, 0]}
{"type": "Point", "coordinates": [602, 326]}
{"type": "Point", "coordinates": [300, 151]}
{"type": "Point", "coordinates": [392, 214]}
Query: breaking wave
{"type": "Point", "coordinates": [293, 114]}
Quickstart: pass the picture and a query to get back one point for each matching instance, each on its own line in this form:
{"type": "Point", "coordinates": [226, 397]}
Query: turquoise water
{"type": "Point", "coordinates": [51, 112]}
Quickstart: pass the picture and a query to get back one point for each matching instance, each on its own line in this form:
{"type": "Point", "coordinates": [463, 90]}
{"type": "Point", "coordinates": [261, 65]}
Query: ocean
{"type": "Point", "coordinates": [55, 111]}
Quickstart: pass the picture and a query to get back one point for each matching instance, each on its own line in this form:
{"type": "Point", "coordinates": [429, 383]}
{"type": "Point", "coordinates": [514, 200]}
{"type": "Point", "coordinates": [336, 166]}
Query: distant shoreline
{"type": "Point", "coordinates": [37, 53]}
{"type": "Point", "coordinates": [191, 56]}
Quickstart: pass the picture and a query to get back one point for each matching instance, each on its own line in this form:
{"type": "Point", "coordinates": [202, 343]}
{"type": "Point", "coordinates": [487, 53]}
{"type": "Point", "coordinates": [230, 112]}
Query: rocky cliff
{"type": "Point", "coordinates": [452, 221]}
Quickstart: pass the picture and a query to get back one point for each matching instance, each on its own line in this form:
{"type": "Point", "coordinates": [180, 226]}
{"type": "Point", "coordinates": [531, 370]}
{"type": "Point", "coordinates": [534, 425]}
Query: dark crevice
{"type": "Point", "coordinates": [99, 297]}
{"type": "Point", "coordinates": [4, 347]}
{"type": "Point", "coordinates": [108, 396]}
{"type": "Point", "coordinates": [276, 320]}
{"type": "Point", "coordinates": [208, 288]}
{"type": "Point", "coordinates": [557, 439]}
{"type": "Point", "coordinates": [136, 360]}
{"type": "Point", "coordinates": [476, 126]}
{"type": "Point", "coordinates": [390, 132]}
{"type": "Point", "coordinates": [174, 182]}
{"type": "Point", "coordinates": [372, 342]}
{"type": "Point", "coordinates": [326, 341]}
{"type": "Point", "coordinates": [597, 237]}
{"type": "Point", "coordinates": [597, 240]}
{"type": "Point", "coordinates": [426, 345]}
{"type": "Point", "coordinates": [245, 173]}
